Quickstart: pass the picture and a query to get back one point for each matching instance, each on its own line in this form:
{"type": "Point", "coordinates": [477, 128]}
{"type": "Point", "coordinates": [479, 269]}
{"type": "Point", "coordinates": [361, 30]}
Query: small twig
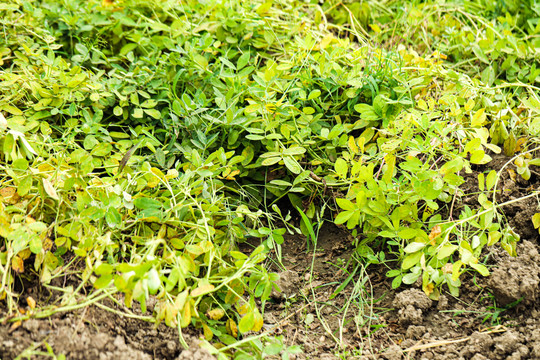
{"type": "Point", "coordinates": [440, 343]}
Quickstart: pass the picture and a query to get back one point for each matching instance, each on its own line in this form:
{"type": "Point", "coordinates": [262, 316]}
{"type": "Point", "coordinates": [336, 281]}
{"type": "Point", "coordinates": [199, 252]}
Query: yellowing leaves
{"type": "Point", "coordinates": [327, 40]}
{"type": "Point", "coordinates": [215, 314]}
{"type": "Point", "coordinates": [201, 290]}
{"type": "Point", "coordinates": [31, 302]}
{"type": "Point", "coordinates": [232, 328]}
{"type": "Point", "coordinates": [229, 174]}
{"type": "Point", "coordinates": [49, 189]}
{"type": "Point", "coordinates": [536, 220]}
{"type": "Point", "coordinates": [479, 118]}
{"type": "Point", "coordinates": [376, 28]}
{"type": "Point", "coordinates": [435, 232]}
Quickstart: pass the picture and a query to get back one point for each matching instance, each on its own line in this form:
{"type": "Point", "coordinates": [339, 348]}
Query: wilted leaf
{"type": "Point", "coordinates": [49, 189]}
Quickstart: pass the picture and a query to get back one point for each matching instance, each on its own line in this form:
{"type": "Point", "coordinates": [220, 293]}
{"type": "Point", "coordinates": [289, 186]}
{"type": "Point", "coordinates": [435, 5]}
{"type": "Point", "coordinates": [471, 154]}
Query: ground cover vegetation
{"type": "Point", "coordinates": [142, 141]}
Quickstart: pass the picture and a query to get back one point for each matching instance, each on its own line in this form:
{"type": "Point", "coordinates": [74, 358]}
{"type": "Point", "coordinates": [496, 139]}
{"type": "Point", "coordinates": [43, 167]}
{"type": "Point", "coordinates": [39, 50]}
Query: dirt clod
{"type": "Point", "coordinates": [288, 284]}
{"type": "Point", "coordinates": [411, 303]}
{"type": "Point", "coordinates": [479, 343]}
{"type": "Point", "coordinates": [517, 278]}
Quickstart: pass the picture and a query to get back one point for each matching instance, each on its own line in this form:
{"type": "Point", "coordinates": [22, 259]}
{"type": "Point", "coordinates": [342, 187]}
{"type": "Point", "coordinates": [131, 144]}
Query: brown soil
{"type": "Point", "coordinates": [94, 333]}
{"type": "Point", "coordinates": [366, 319]}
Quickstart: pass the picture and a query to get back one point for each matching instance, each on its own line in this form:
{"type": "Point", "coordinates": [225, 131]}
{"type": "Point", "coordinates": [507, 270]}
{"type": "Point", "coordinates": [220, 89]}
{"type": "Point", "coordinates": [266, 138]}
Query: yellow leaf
{"type": "Point", "coordinates": [17, 264]}
{"type": "Point", "coordinates": [536, 220]}
{"type": "Point", "coordinates": [456, 267]}
{"type": "Point", "coordinates": [12, 110]}
{"type": "Point", "coordinates": [520, 144]}
{"type": "Point", "coordinates": [181, 299]}
{"type": "Point", "coordinates": [208, 334]}
{"type": "Point", "coordinates": [327, 40]}
{"type": "Point", "coordinates": [421, 103]}
{"type": "Point", "coordinates": [49, 189]}
{"type": "Point", "coordinates": [469, 105]}
{"type": "Point", "coordinates": [153, 182]}
{"type": "Point", "coordinates": [428, 289]}
{"type": "Point", "coordinates": [231, 327]}
{"type": "Point", "coordinates": [352, 145]}
{"type": "Point", "coordinates": [264, 8]}
{"type": "Point", "coordinates": [171, 174]}
{"type": "Point", "coordinates": [25, 254]}
{"type": "Point", "coordinates": [376, 29]}
{"type": "Point", "coordinates": [215, 314]}
{"type": "Point", "coordinates": [232, 175]}
{"type": "Point", "coordinates": [479, 118]}
{"type": "Point", "coordinates": [244, 309]}
{"type": "Point", "coordinates": [203, 289]}
{"type": "Point", "coordinates": [435, 231]}
{"type": "Point", "coordinates": [157, 172]}
{"type": "Point", "coordinates": [259, 322]}
{"type": "Point", "coordinates": [31, 302]}
{"type": "Point", "coordinates": [185, 319]}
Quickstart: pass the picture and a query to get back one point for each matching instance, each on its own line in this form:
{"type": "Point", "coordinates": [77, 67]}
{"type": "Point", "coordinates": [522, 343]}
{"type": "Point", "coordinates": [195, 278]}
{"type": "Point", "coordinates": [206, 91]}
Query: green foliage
{"type": "Point", "coordinates": [149, 139]}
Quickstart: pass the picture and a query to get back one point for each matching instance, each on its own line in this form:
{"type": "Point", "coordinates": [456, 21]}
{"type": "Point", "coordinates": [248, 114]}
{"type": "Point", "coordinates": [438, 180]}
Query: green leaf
{"type": "Point", "coordinates": [314, 94]}
{"type": "Point", "coordinates": [145, 203]}
{"type": "Point", "coordinates": [343, 216]}
{"type": "Point", "coordinates": [479, 157]}
{"type": "Point", "coordinates": [367, 112]}
{"type": "Point", "coordinates": [201, 61]}
{"type": "Point", "coordinates": [93, 213]}
{"type": "Point", "coordinates": [414, 247]}
{"type": "Point", "coordinates": [12, 110]}
{"type": "Point", "coordinates": [76, 80]}
{"type": "Point", "coordinates": [446, 251]}
{"type": "Point", "coordinates": [113, 217]}
{"type": "Point", "coordinates": [270, 161]}
{"type": "Point", "coordinates": [308, 110]}
{"type": "Point", "coordinates": [297, 150]}
{"type": "Point", "coordinates": [160, 157]}
{"type": "Point", "coordinates": [292, 165]}
{"type": "Point", "coordinates": [103, 281]}
{"type": "Point", "coordinates": [354, 220]}
{"type": "Point", "coordinates": [491, 179]}
{"type": "Point", "coordinates": [480, 268]}
{"type": "Point", "coordinates": [25, 185]}
{"type": "Point", "coordinates": [480, 54]}
{"type": "Point", "coordinates": [273, 348]}
{"type": "Point", "coordinates": [396, 282]}
{"type": "Point", "coordinates": [153, 281]}
{"type": "Point", "coordinates": [410, 278]}
{"type": "Point", "coordinates": [408, 233]}
{"type": "Point", "coordinates": [102, 149]}
{"type": "Point", "coordinates": [345, 204]}
{"type": "Point", "coordinates": [341, 168]}
{"type": "Point", "coordinates": [481, 181]}
{"type": "Point", "coordinates": [280, 182]}
{"type": "Point", "coordinates": [247, 322]}
{"type": "Point", "coordinates": [411, 260]}
{"type": "Point", "coordinates": [243, 60]}
{"type": "Point", "coordinates": [35, 244]}
{"type": "Point", "coordinates": [153, 113]}
{"type": "Point", "coordinates": [104, 269]}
